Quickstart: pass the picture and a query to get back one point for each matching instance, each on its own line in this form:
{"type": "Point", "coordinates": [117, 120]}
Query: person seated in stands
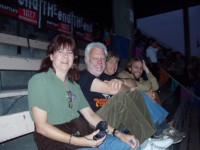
{"type": "Point", "coordinates": [55, 100]}
{"type": "Point", "coordinates": [178, 67]}
{"type": "Point", "coordinates": [151, 54]}
{"type": "Point", "coordinates": [135, 69]}
{"type": "Point", "coordinates": [136, 66]}
{"type": "Point", "coordinates": [116, 103]}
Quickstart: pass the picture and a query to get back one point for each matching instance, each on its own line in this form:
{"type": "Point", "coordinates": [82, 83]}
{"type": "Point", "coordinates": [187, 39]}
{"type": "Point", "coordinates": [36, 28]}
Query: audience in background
{"type": "Point", "coordinates": [151, 54]}
{"type": "Point", "coordinates": [178, 67]}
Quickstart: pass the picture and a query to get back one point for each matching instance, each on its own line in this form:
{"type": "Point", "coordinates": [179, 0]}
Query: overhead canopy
{"type": "Point", "coordinates": [101, 10]}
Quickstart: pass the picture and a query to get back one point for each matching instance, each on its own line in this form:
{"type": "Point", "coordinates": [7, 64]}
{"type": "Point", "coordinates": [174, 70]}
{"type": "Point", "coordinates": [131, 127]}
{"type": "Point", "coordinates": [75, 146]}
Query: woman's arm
{"type": "Point", "coordinates": [91, 116]}
{"type": "Point", "coordinates": [50, 131]}
{"type": "Point", "coordinates": [44, 128]}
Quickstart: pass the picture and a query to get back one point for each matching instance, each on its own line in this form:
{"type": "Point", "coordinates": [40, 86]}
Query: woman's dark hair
{"type": "Point", "coordinates": [59, 41]}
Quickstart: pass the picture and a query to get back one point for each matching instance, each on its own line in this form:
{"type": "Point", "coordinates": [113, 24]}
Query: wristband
{"type": "Point", "coordinates": [114, 132]}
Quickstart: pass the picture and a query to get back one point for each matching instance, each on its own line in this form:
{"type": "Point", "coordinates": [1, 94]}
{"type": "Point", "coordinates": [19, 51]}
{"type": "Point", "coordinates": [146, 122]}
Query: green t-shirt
{"type": "Point", "coordinates": [47, 92]}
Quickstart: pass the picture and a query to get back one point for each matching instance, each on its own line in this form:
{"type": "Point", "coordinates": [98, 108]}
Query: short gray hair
{"type": "Point", "coordinates": [92, 45]}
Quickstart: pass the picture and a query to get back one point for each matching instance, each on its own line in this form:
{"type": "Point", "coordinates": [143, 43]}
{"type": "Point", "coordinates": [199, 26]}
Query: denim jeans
{"type": "Point", "coordinates": [157, 112]}
{"type": "Point", "coordinates": [110, 143]}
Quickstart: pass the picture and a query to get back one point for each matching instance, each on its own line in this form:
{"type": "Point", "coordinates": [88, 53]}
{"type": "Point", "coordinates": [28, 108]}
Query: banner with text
{"type": "Point", "coordinates": [47, 15]}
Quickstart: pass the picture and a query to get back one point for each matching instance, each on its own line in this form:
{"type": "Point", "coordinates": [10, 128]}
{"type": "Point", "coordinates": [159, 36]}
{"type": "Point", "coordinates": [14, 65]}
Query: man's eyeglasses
{"type": "Point", "coordinates": [71, 97]}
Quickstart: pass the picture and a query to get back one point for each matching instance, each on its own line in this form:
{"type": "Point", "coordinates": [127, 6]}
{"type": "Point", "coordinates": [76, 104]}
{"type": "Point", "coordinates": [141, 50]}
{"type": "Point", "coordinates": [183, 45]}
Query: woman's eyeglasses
{"type": "Point", "coordinates": [71, 97]}
{"type": "Point", "coordinates": [65, 52]}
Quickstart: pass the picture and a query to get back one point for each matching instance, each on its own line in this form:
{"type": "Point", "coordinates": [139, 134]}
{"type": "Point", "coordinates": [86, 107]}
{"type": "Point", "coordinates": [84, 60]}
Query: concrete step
{"type": "Point", "coordinates": [25, 142]}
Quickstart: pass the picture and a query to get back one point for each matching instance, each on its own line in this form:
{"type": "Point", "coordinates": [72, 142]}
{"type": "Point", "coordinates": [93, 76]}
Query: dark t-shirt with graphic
{"type": "Point", "coordinates": [96, 100]}
{"type": "Point", "coordinates": [107, 77]}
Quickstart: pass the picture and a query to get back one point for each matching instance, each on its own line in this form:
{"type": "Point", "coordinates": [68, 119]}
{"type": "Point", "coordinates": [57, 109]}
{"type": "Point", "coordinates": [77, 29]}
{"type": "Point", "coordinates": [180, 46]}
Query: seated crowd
{"type": "Point", "coordinates": [67, 106]}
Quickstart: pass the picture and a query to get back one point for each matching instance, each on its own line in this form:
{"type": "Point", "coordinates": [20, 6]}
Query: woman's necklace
{"type": "Point", "coordinates": [71, 96]}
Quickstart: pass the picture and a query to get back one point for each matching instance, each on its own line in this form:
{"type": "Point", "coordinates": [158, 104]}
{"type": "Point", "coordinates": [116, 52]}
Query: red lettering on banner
{"type": "Point", "coordinates": [28, 15]}
{"type": "Point", "coordinates": [8, 12]}
{"type": "Point", "coordinates": [65, 28]}
{"type": "Point", "coordinates": [88, 37]}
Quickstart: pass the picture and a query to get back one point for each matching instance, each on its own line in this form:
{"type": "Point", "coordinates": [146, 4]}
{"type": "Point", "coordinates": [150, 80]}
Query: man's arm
{"type": "Point", "coordinates": [129, 82]}
{"type": "Point", "coordinates": [153, 81]}
{"type": "Point", "coordinates": [111, 87]}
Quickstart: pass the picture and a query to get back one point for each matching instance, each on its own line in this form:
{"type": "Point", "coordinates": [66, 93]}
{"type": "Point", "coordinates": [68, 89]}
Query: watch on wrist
{"type": "Point", "coordinates": [115, 132]}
